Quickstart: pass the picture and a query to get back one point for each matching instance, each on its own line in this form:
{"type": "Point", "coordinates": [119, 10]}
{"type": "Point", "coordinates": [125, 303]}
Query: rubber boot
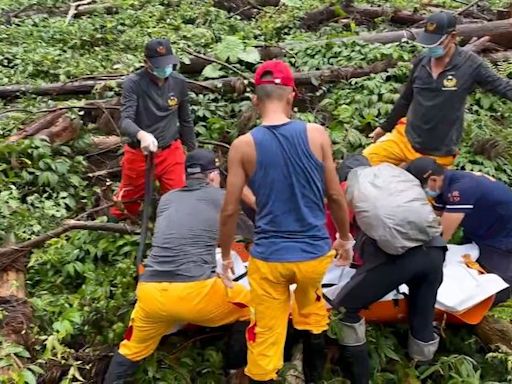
{"type": "Point", "coordinates": [356, 363]}
{"type": "Point", "coordinates": [251, 381]}
{"type": "Point", "coordinates": [235, 354]}
{"type": "Point", "coordinates": [313, 357]}
{"type": "Point", "coordinates": [121, 370]}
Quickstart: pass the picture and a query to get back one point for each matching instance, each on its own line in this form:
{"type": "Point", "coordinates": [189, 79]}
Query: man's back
{"type": "Point", "coordinates": [288, 182]}
{"type": "Point", "coordinates": [186, 232]}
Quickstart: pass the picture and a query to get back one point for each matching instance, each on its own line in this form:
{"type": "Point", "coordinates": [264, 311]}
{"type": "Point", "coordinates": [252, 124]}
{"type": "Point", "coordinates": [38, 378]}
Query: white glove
{"type": "Point", "coordinates": [345, 251]}
{"type": "Point", "coordinates": [148, 143]}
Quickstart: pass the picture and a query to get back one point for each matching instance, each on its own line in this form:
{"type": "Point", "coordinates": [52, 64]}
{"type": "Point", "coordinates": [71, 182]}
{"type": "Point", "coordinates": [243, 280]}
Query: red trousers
{"type": "Point", "coordinates": [169, 171]}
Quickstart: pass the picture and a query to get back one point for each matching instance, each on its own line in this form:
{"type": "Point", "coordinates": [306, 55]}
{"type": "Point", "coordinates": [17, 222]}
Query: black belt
{"type": "Point", "coordinates": [136, 145]}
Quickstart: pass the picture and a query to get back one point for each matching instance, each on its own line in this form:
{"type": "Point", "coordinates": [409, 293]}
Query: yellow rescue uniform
{"type": "Point", "coordinates": [270, 309]}
{"type": "Point", "coordinates": [162, 307]}
{"type": "Point", "coordinates": [395, 148]}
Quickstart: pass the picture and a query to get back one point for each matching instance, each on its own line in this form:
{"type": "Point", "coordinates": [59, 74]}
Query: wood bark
{"type": "Point", "coordinates": [83, 10]}
{"type": "Point", "coordinates": [36, 126]}
{"type": "Point", "coordinates": [227, 85]}
{"type": "Point", "coordinates": [497, 57]}
{"type": "Point", "coordinates": [315, 19]}
{"type": "Point", "coordinates": [61, 132]}
{"type": "Point", "coordinates": [494, 331]}
{"type": "Point", "coordinates": [500, 32]}
{"type": "Point", "coordinates": [68, 225]}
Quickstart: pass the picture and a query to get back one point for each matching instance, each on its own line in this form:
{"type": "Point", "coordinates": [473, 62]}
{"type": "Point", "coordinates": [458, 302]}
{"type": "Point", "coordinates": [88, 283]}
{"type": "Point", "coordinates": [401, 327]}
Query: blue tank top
{"type": "Point", "coordinates": [289, 187]}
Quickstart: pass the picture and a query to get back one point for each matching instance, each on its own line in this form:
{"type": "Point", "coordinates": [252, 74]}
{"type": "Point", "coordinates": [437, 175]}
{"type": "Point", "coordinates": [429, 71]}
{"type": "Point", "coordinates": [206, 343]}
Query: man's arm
{"type": "Point", "coordinates": [489, 80]}
{"type": "Point", "coordinates": [401, 106]}
{"type": "Point", "coordinates": [248, 197]}
{"type": "Point", "coordinates": [187, 134]}
{"type": "Point", "coordinates": [129, 109]}
{"type": "Point", "coordinates": [231, 208]}
{"type": "Point", "coordinates": [335, 198]}
{"type": "Point", "coordinates": [450, 222]}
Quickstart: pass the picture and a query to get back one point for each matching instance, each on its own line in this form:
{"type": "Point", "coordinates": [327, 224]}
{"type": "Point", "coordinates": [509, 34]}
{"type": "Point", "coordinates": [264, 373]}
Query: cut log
{"type": "Point", "coordinates": [493, 331]}
{"type": "Point", "coordinates": [36, 126]}
{"type": "Point", "coordinates": [228, 85]}
{"type": "Point", "coordinates": [315, 19]}
{"type": "Point", "coordinates": [61, 132]}
{"type": "Point", "coordinates": [500, 32]}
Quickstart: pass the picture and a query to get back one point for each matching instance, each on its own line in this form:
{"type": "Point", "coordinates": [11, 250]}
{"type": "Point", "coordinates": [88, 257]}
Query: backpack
{"type": "Point", "coordinates": [391, 207]}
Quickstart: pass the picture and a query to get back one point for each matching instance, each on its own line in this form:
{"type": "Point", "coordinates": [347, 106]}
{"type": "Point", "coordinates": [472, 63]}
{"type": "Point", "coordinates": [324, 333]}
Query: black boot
{"type": "Point", "coordinates": [121, 370]}
{"type": "Point", "coordinates": [235, 354]}
{"type": "Point", "coordinates": [356, 363]}
{"type": "Point", "coordinates": [251, 381]}
{"type": "Point", "coordinates": [313, 357]}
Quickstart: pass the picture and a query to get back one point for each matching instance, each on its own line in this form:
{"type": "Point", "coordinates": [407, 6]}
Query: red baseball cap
{"type": "Point", "coordinates": [278, 72]}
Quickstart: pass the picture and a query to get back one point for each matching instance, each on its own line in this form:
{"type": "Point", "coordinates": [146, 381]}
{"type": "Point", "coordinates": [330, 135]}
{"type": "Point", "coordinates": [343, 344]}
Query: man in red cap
{"type": "Point", "coordinates": [155, 115]}
{"type": "Point", "coordinates": [288, 165]}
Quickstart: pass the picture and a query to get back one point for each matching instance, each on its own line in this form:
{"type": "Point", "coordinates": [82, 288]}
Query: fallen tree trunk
{"type": "Point", "coordinates": [246, 9]}
{"type": "Point", "coordinates": [315, 19]}
{"type": "Point", "coordinates": [500, 32]}
{"type": "Point", "coordinates": [497, 57]}
{"type": "Point", "coordinates": [493, 331]}
{"type": "Point", "coordinates": [61, 132]}
{"type": "Point", "coordinates": [227, 85]}
{"type": "Point", "coordinates": [10, 253]}
{"type": "Point", "coordinates": [82, 10]}
{"type": "Point", "coordinates": [36, 126]}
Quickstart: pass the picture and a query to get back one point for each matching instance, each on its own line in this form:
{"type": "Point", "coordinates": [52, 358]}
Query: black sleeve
{"type": "Point", "coordinates": [187, 134]}
{"type": "Point", "coordinates": [401, 106]}
{"type": "Point", "coordinates": [129, 109]}
{"type": "Point", "coordinates": [489, 80]}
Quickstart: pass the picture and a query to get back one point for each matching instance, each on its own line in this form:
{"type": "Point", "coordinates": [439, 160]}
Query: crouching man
{"type": "Point", "coordinates": [179, 284]}
{"type": "Point", "coordinates": [480, 205]}
{"type": "Point", "coordinates": [399, 243]}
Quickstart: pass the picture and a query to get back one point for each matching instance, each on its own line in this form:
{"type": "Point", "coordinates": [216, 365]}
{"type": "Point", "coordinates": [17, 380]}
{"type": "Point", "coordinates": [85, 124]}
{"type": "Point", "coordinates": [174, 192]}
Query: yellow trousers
{"type": "Point", "coordinates": [270, 309]}
{"type": "Point", "coordinates": [395, 148]}
{"type": "Point", "coordinates": [161, 307]}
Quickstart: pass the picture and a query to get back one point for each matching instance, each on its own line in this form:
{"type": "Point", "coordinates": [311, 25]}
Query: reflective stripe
{"type": "Point", "coordinates": [459, 206]}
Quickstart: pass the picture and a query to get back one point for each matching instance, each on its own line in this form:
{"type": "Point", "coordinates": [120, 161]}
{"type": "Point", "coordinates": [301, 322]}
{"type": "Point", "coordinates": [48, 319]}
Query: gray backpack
{"type": "Point", "coordinates": [391, 207]}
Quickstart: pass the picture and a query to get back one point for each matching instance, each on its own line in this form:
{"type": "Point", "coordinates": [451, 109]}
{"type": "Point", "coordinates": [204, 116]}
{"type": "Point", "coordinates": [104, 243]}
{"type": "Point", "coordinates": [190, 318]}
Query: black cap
{"type": "Point", "coordinates": [200, 161]}
{"type": "Point", "coordinates": [351, 162]}
{"type": "Point", "coordinates": [437, 26]}
{"type": "Point", "coordinates": [159, 53]}
{"type": "Point", "coordinates": [423, 168]}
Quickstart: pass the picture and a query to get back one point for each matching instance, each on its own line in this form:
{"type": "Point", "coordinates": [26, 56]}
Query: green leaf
{"type": "Point", "coordinates": [250, 55]}
{"type": "Point", "coordinates": [28, 376]}
{"type": "Point", "coordinates": [229, 49]}
{"type": "Point", "coordinates": [212, 71]}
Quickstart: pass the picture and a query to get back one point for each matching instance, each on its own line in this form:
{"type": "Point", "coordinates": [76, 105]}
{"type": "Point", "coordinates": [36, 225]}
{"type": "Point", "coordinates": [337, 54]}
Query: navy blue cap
{"type": "Point", "coordinates": [159, 53]}
{"type": "Point", "coordinates": [424, 167]}
{"type": "Point", "coordinates": [200, 161]}
{"type": "Point", "coordinates": [437, 27]}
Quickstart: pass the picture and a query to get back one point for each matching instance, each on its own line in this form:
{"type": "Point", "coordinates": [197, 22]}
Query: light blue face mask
{"type": "Point", "coordinates": [430, 193]}
{"type": "Point", "coordinates": [436, 52]}
{"type": "Point", "coordinates": [162, 73]}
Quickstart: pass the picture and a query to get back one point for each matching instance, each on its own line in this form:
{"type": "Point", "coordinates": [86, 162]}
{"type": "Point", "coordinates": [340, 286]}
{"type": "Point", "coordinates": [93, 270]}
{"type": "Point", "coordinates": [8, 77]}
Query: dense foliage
{"type": "Point", "coordinates": [81, 285]}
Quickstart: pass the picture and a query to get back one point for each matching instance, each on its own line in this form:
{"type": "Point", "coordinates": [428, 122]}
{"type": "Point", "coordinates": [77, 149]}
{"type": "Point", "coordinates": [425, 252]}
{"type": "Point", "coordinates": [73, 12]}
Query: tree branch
{"type": "Point", "coordinates": [213, 60]}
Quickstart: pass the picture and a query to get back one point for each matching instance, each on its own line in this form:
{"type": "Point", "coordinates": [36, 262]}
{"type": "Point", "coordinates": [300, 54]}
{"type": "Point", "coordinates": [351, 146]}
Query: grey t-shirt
{"type": "Point", "coordinates": [163, 111]}
{"type": "Point", "coordinates": [186, 232]}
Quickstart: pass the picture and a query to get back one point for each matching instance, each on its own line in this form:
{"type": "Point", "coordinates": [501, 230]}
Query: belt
{"type": "Point", "coordinates": [136, 145]}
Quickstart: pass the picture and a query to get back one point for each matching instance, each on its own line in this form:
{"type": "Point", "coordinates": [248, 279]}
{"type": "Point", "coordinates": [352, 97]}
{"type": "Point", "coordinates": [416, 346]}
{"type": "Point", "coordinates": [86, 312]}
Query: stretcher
{"type": "Point", "coordinates": [464, 297]}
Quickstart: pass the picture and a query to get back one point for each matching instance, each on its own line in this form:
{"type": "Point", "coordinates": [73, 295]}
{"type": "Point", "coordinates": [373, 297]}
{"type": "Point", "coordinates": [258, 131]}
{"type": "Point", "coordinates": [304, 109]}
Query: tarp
{"type": "Point", "coordinates": [462, 289]}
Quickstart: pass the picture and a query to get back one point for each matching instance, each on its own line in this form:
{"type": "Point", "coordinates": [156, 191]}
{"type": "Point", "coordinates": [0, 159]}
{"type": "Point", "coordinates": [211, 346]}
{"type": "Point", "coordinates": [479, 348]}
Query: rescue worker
{"type": "Point", "coordinates": [421, 268]}
{"type": "Point", "coordinates": [156, 117]}
{"type": "Point", "coordinates": [434, 99]}
{"type": "Point", "coordinates": [479, 204]}
{"type": "Point", "coordinates": [179, 284]}
{"type": "Point", "coordinates": [288, 165]}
